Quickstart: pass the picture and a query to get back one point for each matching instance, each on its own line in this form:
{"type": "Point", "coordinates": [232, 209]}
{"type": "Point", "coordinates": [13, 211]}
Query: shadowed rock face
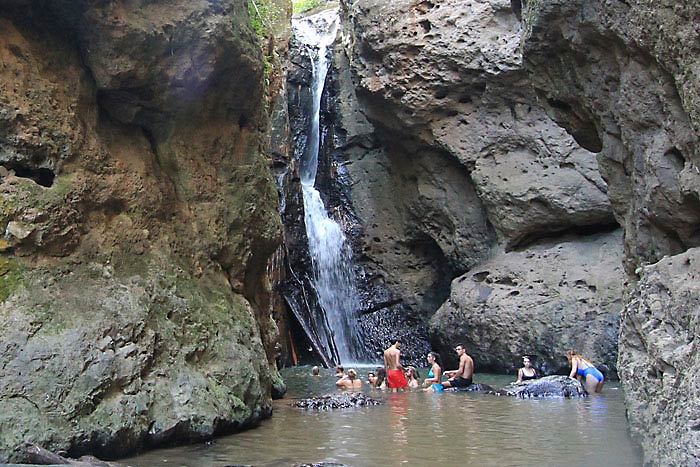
{"type": "Point", "coordinates": [140, 216]}
{"type": "Point", "coordinates": [624, 77]}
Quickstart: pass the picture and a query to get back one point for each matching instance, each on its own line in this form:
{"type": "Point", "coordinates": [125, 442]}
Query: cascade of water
{"type": "Point", "coordinates": [329, 251]}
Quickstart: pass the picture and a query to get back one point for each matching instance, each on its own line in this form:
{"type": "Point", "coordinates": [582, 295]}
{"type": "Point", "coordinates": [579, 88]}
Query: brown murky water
{"type": "Point", "coordinates": [421, 429]}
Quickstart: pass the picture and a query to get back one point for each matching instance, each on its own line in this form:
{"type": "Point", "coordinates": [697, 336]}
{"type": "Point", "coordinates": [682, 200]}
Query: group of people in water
{"type": "Point", "coordinates": [395, 377]}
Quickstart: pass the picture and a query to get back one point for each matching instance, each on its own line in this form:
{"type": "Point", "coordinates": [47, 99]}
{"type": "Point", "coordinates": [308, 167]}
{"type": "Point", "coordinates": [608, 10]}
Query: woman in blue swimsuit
{"type": "Point", "coordinates": [586, 372]}
{"type": "Point", "coordinates": [432, 382]}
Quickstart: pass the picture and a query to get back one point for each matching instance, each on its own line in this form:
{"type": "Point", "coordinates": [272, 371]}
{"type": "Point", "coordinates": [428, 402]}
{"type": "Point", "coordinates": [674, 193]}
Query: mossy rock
{"type": "Point", "coordinates": [10, 277]}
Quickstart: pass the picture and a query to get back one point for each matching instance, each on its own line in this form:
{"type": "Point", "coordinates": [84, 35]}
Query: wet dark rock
{"type": "Point", "coordinates": [476, 387]}
{"type": "Point", "coordinates": [548, 386]}
{"type": "Point", "coordinates": [336, 401]}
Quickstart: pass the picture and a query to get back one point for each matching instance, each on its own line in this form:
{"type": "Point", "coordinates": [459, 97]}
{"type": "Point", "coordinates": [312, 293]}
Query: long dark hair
{"type": "Point", "coordinates": [437, 358]}
{"type": "Point", "coordinates": [381, 376]}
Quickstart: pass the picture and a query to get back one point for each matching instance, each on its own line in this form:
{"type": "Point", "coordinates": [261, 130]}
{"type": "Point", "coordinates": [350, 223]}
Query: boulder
{"type": "Point", "coordinates": [548, 386]}
{"type": "Point", "coordinates": [539, 302]}
{"type": "Point", "coordinates": [336, 401]}
{"type": "Point", "coordinates": [619, 76]}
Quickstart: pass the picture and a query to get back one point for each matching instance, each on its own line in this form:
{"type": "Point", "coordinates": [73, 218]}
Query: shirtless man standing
{"type": "Point", "coordinates": [395, 372]}
{"type": "Point", "coordinates": [461, 377]}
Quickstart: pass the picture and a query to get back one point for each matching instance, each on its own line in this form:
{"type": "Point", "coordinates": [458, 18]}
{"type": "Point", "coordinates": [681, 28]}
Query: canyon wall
{"type": "Point", "coordinates": [139, 216]}
{"type": "Point", "coordinates": [502, 144]}
{"type": "Point", "coordinates": [459, 174]}
{"type": "Point", "coordinates": [626, 73]}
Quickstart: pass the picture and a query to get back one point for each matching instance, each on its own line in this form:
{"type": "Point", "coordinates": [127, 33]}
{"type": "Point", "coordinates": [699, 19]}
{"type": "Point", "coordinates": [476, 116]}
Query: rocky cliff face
{"type": "Point", "coordinates": [455, 115]}
{"type": "Point", "coordinates": [626, 75]}
{"type": "Point", "coordinates": [139, 218]}
{"type": "Point", "coordinates": [517, 304]}
{"type": "Point", "coordinates": [457, 166]}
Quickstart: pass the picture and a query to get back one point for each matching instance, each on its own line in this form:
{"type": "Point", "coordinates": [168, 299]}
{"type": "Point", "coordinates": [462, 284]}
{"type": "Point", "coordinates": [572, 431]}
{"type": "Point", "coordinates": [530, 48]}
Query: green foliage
{"type": "Point", "coordinates": [300, 6]}
{"type": "Point", "coordinates": [10, 277]}
{"type": "Point", "coordinates": [263, 14]}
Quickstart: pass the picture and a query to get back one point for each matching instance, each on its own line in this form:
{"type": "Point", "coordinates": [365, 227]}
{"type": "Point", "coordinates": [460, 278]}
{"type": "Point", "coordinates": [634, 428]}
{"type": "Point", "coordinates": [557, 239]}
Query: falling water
{"type": "Point", "coordinates": [329, 251]}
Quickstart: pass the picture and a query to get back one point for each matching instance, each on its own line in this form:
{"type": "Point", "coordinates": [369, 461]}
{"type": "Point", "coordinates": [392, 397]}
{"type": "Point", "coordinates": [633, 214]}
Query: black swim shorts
{"type": "Point", "coordinates": [460, 382]}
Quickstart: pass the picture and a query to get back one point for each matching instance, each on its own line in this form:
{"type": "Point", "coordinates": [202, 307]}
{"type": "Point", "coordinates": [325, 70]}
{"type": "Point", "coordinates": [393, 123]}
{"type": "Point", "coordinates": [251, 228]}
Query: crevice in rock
{"type": "Point", "coordinates": [532, 238]}
{"type": "Point", "coordinates": [380, 306]}
{"type": "Point", "coordinates": [676, 157]}
{"type": "Point", "coordinates": [578, 123]}
{"type": "Point", "coordinates": [40, 176]}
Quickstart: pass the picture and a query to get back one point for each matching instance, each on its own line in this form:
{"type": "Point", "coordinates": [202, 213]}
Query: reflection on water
{"type": "Point", "coordinates": [424, 428]}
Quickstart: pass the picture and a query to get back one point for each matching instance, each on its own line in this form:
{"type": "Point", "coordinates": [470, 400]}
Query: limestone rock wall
{"type": "Point", "coordinates": [139, 216]}
{"type": "Point", "coordinates": [456, 166]}
{"type": "Point", "coordinates": [659, 359]}
{"type": "Point", "coordinates": [623, 78]}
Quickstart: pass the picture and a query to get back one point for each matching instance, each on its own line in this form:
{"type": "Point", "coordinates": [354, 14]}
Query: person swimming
{"type": "Point", "coordinates": [412, 376]}
{"type": "Point", "coordinates": [349, 381]}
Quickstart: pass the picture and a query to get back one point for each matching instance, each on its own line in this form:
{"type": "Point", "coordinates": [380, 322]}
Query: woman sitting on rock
{"type": "Point", "coordinates": [586, 372]}
{"type": "Point", "coordinates": [432, 382]}
{"type": "Point", "coordinates": [349, 381]}
{"type": "Point", "coordinates": [412, 377]}
{"type": "Point", "coordinates": [527, 372]}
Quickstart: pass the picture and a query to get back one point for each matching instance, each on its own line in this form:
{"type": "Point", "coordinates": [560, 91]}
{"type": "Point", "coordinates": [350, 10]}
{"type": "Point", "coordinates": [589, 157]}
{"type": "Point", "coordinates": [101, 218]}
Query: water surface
{"type": "Point", "coordinates": [421, 429]}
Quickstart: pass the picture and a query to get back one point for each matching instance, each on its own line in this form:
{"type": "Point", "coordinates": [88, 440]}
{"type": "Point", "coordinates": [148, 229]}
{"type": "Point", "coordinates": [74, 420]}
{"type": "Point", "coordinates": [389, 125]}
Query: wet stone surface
{"type": "Point", "coordinates": [336, 401]}
{"type": "Point", "coordinates": [549, 386]}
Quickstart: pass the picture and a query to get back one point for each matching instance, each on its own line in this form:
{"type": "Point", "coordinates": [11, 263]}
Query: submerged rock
{"type": "Point", "coordinates": [336, 401]}
{"type": "Point", "coordinates": [549, 386]}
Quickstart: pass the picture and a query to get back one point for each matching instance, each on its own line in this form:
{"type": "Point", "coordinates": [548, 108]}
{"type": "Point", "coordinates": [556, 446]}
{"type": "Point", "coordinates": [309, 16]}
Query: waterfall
{"type": "Point", "coordinates": [330, 253]}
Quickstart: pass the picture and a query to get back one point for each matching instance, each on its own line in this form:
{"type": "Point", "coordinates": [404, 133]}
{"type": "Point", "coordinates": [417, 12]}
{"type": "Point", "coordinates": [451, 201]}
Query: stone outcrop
{"type": "Point", "coordinates": [622, 77]}
{"type": "Point", "coordinates": [549, 386]}
{"type": "Point", "coordinates": [616, 75]}
{"type": "Point", "coordinates": [454, 160]}
{"type": "Point", "coordinates": [336, 401]}
{"type": "Point", "coordinates": [139, 216]}
{"type": "Point", "coordinates": [538, 302]}
{"type": "Point", "coordinates": [659, 359]}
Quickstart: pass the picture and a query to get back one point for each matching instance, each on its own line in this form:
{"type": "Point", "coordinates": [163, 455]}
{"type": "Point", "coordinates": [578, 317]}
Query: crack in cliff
{"type": "Point", "coordinates": [533, 238]}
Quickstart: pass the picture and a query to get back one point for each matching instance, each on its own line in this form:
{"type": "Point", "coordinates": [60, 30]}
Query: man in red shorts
{"type": "Point", "coordinates": [394, 371]}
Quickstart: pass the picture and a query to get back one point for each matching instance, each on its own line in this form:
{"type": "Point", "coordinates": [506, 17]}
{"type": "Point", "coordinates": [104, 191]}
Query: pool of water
{"type": "Point", "coordinates": [419, 428]}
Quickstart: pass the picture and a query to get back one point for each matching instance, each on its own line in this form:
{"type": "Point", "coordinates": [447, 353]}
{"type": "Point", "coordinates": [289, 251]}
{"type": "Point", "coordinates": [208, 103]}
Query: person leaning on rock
{"type": "Point", "coordinates": [462, 376]}
{"type": "Point", "coordinates": [584, 370]}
